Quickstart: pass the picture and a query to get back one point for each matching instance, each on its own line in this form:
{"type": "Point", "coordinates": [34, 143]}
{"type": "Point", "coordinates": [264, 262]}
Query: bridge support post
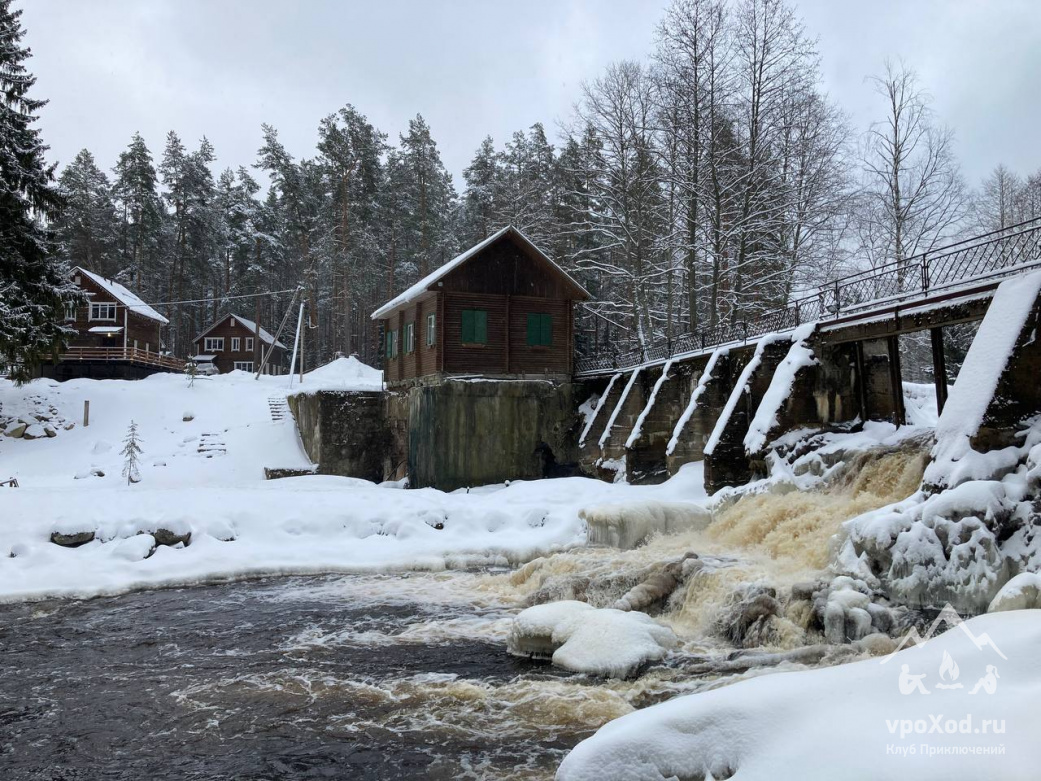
{"type": "Point", "coordinates": [939, 367]}
{"type": "Point", "coordinates": [896, 380]}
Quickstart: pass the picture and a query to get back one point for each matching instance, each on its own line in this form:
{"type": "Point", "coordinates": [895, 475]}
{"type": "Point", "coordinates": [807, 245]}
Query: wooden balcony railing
{"type": "Point", "coordinates": [123, 354]}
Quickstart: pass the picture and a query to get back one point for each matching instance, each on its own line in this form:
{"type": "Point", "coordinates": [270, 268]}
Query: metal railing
{"type": "Point", "coordinates": [990, 256]}
{"type": "Point", "coordinates": [123, 354]}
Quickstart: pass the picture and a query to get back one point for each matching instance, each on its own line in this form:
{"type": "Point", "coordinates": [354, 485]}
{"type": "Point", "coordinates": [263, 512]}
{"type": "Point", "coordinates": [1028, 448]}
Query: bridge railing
{"type": "Point", "coordinates": [991, 255]}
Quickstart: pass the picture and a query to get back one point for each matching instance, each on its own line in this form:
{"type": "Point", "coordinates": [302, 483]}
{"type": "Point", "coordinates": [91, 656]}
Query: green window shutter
{"type": "Point", "coordinates": [534, 329]}
{"type": "Point", "coordinates": [480, 326]}
{"type": "Point", "coordinates": [468, 326]}
{"type": "Point", "coordinates": [389, 336]}
{"type": "Point", "coordinates": [546, 330]}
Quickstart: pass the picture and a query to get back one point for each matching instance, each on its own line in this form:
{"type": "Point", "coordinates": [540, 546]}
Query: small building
{"type": "Point", "coordinates": [501, 309]}
{"type": "Point", "coordinates": [117, 335]}
{"type": "Point", "coordinates": [230, 344]}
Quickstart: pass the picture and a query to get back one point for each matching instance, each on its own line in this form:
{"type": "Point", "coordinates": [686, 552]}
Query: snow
{"type": "Point", "coordinates": [966, 407]}
{"type": "Point", "coordinates": [628, 525]}
{"type": "Point", "coordinates": [740, 388]}
{"type": "Point", "coordinates": [590, 419]}
{"type": "Point", "coordinates": [124, 296]}
{"type": "Point", "coordinates": [850, 722]}
{"type": "Point", "coordinates": [799, 357]}
{"type": "Point", "coordinates": [423, 285]}
{"type": "Point", "coordinates": [243, 525]}
{"type": "Point", "coordinates": [1023, 592]}
{"type": "Point", "coordinates": [106, 329]}
{"type": "Point", "coordinates": [343, 374]}
{"type": "Point", "coordinates": [618, 407]}
{"type": "Point", "coordinates": [920, 404]}
{"type": "Point", "coordinates": [597, 641]}
{"type": "Point", "coordinates": [634, 436]}
{"type": "Point", "coordinates": [703, 381]}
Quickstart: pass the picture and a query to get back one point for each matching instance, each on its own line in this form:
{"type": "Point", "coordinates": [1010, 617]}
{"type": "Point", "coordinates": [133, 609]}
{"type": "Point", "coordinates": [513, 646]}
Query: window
{"type": "Point", "coordinates": [214, 344]}
{"type": "Point", "coordinates": [410, 337]}
{"type": "Point", "coordinates": [236, 344]}
{"type": "Point", "coordinates": [431, 330]}
{"type": "Point", "coordinates": [245, 366]}
{"type": "Point", "coordinates": [475, 326]}
{"type": "Point", "coordinates": [540, 330]}
{"type": "Point", "coordinates": [392, 344]}
{"type": "Point", "coordinates": [70, 311]}
{"type": "Point", "coordinates": [249, 344]}
{"type": "Point", "coordinates": [102, 311]}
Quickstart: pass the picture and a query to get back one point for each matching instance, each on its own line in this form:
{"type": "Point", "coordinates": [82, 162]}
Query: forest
{"type": "Point", "coordinates": [712, 181]}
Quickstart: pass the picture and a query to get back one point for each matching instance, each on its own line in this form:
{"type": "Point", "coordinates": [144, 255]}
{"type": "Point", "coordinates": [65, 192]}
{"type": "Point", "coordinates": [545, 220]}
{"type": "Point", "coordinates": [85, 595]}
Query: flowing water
{"type": "Point", "coordinates": [368, 677]}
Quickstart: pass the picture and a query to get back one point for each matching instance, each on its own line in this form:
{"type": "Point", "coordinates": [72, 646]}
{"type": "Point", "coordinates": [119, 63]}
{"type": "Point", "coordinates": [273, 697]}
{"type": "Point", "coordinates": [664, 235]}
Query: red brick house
{"type": "Point", "coordinates": [503, 308]}
{"type": "Point", "coordinates": [231, 343]}
{"type": "Point", "coordinates": [116, 334]}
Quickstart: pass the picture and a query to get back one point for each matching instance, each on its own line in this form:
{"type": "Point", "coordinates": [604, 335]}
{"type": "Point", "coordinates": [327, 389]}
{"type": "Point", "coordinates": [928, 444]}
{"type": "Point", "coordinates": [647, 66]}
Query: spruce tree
{"type": "Point", "coordinates": [86, 224]}
{"type": "Point", "coordinates": [140, 215]}
{"type": "Point", "coordinates": [132, 455]}
{"type": "Point", "coordinates": [34, 280]}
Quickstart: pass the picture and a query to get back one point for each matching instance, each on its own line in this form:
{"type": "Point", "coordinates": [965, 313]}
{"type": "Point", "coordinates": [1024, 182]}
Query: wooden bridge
{"type": "Point", "coordinates": [699, 396]}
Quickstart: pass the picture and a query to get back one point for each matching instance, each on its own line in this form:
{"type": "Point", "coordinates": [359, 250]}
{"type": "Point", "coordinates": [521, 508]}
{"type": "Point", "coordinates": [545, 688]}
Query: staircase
{"type": "Point", "coordinates": [279, 407]}
{"type": "Point", "coordinates": [211, 445]}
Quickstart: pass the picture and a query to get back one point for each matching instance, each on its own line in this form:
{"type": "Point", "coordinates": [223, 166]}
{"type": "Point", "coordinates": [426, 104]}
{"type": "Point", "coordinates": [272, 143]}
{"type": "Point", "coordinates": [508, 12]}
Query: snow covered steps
{"type": "Point", "coordinates": [211, 445]}
{"type": "Point", "coordinates": [279, 407]}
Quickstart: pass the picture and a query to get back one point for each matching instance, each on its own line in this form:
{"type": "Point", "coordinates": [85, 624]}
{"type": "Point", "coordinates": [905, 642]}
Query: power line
{"type": "Point", "coordinates": [211, 300]}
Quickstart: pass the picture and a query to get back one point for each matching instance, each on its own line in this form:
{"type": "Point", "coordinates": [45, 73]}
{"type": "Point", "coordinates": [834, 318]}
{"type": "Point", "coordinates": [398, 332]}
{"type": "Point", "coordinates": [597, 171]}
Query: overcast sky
{"type": "Point", "coordinates": [476, 67]}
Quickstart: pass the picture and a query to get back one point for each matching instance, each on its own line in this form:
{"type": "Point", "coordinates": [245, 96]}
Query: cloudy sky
{"type": "Point", "coordinates": [477, 67]}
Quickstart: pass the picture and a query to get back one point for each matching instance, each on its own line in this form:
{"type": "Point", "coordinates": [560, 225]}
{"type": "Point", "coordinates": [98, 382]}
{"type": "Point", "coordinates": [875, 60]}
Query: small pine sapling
{"type": "Point", "coordinates": [131, 454]}
{"type": "Point", "coordinates": [190, 370]}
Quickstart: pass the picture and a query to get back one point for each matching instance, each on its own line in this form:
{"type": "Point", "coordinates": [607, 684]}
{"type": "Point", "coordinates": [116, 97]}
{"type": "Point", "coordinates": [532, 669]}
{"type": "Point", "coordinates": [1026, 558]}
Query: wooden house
{"type": "Point", "coordinates": [500, 309]}
{"type": "Point", "coordinates": [234, 342]}
{"type": "Point", "coordinates": [116, 334]}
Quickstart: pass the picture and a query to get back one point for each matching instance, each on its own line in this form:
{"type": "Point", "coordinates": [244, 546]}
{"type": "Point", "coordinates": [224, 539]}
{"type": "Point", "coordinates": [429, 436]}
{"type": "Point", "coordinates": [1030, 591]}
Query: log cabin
{"type": "Point", "coordinates": [502, 309]}
{"type": "Point", "coordinates": [115, 334]}
{"type": "Point", "coordinates": [230, 343]}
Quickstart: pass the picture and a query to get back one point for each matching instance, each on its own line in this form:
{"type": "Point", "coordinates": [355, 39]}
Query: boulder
{"type": "Point", "coordinates": [16, 430]}
{"type": "Point", "coordinates": [72, 539]}
{"type": "Point", "coordinates": [35, 431]}
{"type": "Point", "coordinates": [48, 429]}
{"type": "Point", "coordinates": [1023, 592]}
{"type": "Point", "coordinates": [167, 537]}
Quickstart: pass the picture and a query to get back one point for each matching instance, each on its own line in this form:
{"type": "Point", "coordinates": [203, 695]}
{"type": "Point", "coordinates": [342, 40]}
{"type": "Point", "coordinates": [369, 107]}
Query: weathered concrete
{"type": "Point", "coordinates": [690, 444]}
{"type": "Point", "coordinates": [343, 432]}
{"type": "Point", "coordinates": [728, 463]}
{"type": "Point", "coordinates": [464, 433]}
{"type": "Point", "coordinates": [645, 454]}
{"type": "Point", "coordinates": [590, 454]}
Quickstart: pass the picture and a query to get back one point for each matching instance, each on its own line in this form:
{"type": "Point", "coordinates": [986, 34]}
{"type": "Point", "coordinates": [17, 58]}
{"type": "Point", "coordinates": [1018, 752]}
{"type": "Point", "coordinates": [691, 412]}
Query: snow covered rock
{"type": "Point", "coordinates": [598, 641]}
{"type": "Point", "coordinates": [136, 548]}
{"type": "Point", "coordinates": [850, 721]}
{"type": "Point", "coordinates": [35, 431]}
{"type": "Point", "coordinates": [1023, 592]}
{"type": "Point", "coordinates": [72, 539]}
{"type": "Point", "coordinates": [16, 429]}
{"type": "Point", "coordinates": [626, 526]}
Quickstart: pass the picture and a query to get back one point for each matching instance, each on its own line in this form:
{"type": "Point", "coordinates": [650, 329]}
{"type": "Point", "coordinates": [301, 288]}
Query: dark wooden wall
{"type": "Point", "coordinates": [230, 328]}
{"type": "Point", "coordinates": [144, 329]}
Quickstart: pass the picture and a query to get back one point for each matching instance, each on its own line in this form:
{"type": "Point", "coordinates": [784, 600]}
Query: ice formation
{"type": "Point", "coordinates": [578, 637]}
{"type": "Point", "coordinates": [628, 525]}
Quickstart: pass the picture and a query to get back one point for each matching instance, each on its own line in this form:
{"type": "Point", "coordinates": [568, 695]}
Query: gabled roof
{"type": "Point", "coordinates": [423, 285]}
{"type": "Point", "coordinates": [122, 295]}
{"type": "Point", "coordinates": [248, 324]}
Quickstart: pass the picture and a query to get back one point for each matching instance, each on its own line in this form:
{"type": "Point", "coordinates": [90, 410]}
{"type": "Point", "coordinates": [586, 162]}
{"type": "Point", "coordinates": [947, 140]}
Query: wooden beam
{"type": "Point", "coordinates": [939, 367]}
{"type": "Point", "coordinates": [896, 381]}
{"type": "Point", "coordinates": [861, 379]}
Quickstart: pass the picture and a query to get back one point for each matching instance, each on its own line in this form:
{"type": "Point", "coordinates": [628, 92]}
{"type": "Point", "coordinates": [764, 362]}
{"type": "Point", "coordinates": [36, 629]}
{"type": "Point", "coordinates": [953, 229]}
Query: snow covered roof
{"type": "Point", "coordinates": [105, 329]}
{"type": "Point", "coordinates": [426, 282]}
{"type": "Point", "coordinates": [122, 295]}
{"type": "Point", "coordinates": [204, 358]}
{"type": "Point", "coordinates": [248, 324]}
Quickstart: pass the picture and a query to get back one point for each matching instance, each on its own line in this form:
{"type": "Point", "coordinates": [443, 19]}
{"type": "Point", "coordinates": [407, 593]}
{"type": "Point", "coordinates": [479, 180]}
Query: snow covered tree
{"type": "Point", "coordinates": [34, 279]}
{"type": "Point", "coordinates": [86, 224]}
{"type": "Point", "coordinates": [483, 177]}
{"type": "Point", "coordinates": [131, 455]}
{"type": "Point", "coordinates": [140, 215]}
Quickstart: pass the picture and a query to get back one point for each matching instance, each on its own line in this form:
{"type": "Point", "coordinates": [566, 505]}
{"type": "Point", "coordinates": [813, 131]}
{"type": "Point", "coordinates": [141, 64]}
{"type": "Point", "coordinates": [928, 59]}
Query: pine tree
{"type": "Point", "coordinates": [131, 455]}
{"type": "Point", "coordinates": [34, 280]}
{"type": "Point", "coordinates": [140, 214]}
{"type": "Point", "coordinates": [86, 224]}
{"type": "Point", "coordinates": [429, 198]}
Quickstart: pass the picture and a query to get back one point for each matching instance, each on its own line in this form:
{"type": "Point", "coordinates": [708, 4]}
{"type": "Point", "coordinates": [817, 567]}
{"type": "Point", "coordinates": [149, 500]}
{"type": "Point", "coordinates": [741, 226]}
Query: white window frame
{"type": "Point", "coordinates": [70, 311]}
{"type": "Point", "coordinates": [431, 329]}
{"type": "Point", "coordinates": [213, 344]}
{"type": "Point", "coordinates": [236, 344]}
{"type": "Point", "coordinates": [410, 337]}
{"type": "Point", "coordinates": [249, 344]}
{"type": "Point", "coordinates": [245, 366]}
{"type": "Point", "coordinates": [96, 307]}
